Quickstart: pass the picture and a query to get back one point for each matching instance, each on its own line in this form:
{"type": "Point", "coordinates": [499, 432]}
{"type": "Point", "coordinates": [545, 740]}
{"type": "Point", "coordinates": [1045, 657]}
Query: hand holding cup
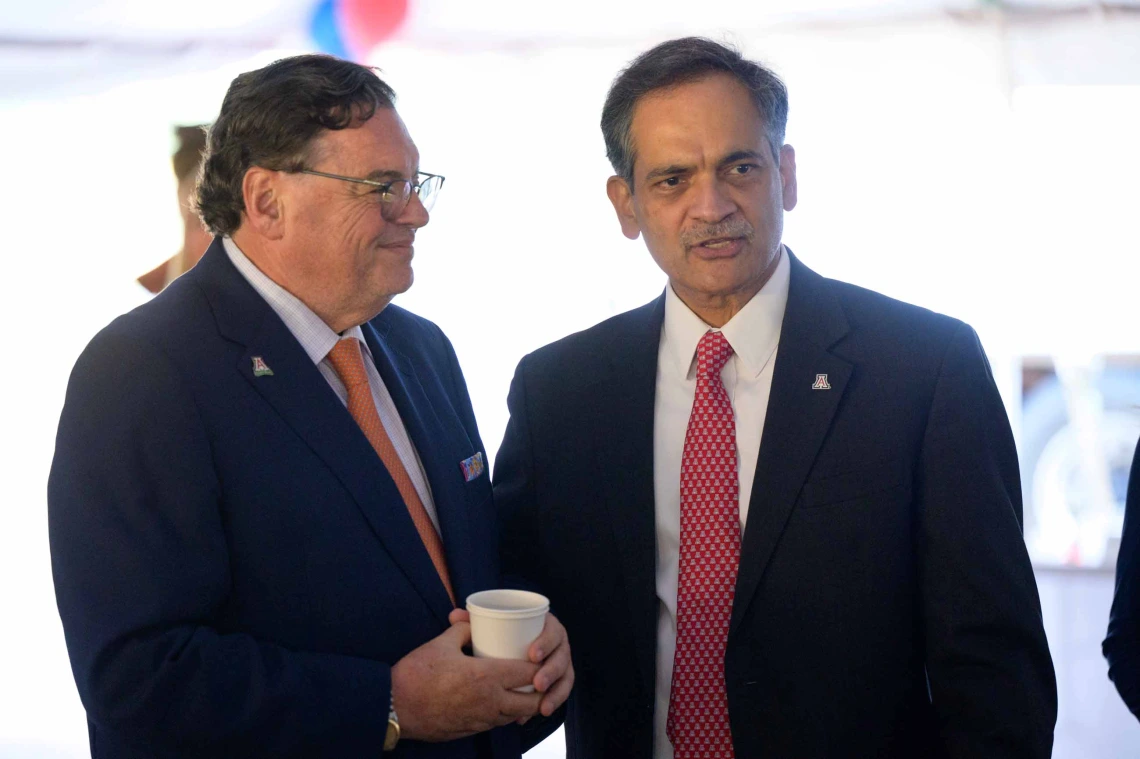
{"type": "Point", "coordinates": [516, 624]}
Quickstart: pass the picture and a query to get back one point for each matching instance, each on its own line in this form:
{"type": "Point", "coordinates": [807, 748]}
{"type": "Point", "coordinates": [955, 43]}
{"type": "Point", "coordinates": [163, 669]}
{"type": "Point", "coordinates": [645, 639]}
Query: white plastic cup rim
{"type": "Point", "coordinates": [507, 604]}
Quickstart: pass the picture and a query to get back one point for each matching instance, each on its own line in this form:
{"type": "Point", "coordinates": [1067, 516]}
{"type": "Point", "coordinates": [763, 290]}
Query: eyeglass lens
{"type": "Point", "coordinates": [395, 200]}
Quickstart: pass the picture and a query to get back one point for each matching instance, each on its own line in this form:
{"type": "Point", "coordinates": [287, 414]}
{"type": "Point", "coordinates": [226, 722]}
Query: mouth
{"type": "Point", "coordinates": [401, 244]}
{"type": "Point", "coordinates": [718, 247]}
{"type": "Point", "coordinates": [717, 242]}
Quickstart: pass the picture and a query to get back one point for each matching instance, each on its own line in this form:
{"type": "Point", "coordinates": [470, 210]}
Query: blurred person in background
{"type": "Point", "coordinates": [195, 237]}
{"type": "Point", "coordinates": [778, 514]}
{"type": "Point", "coordinates": [1122, 645]}
{"type": "Point", "coordinates": [268, 491]}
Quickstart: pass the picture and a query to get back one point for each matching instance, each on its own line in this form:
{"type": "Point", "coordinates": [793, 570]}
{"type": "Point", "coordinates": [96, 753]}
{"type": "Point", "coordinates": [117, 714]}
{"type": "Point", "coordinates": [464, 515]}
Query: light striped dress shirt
{"type": "Point", "coordinates": [317, 338]}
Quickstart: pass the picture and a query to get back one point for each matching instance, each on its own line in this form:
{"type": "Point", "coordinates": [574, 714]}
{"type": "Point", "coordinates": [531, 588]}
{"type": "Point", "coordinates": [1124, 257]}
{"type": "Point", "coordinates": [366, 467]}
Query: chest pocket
{"type": "Point", "coordinates": [478, 488]}
{"type": "Point", "coordinates": [850, 486]}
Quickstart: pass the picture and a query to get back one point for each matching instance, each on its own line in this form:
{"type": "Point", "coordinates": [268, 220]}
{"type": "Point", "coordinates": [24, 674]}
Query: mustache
{"type": "Point", "coordinates": [727, 228]}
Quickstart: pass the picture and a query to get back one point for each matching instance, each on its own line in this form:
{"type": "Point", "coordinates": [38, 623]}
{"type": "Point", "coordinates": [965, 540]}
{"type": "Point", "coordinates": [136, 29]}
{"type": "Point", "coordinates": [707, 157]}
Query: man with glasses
{"type": "Point", "coordinates": [269, 494]}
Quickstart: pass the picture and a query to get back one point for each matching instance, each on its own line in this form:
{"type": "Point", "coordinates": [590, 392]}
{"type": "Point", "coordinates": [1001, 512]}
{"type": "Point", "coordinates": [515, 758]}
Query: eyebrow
{"type": "Point", "coordinates": [381, 175]}
{"type": "Point", "coordinates": [733, 157]}
{"type": "Point", "coordinates": [667, 171]}
{"type": "Point", "coordinates": [741, 155]}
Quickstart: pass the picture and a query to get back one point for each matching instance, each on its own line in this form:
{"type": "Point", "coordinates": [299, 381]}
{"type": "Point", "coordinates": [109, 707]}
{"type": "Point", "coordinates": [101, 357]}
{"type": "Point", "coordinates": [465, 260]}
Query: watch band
{"type": "Point", "coordinates": [392, 736]}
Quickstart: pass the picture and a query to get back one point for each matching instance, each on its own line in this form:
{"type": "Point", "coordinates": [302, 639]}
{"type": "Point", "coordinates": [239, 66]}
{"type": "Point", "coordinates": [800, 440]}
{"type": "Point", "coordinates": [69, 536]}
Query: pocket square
{"type": "Point", "coordinates": [472, 467]}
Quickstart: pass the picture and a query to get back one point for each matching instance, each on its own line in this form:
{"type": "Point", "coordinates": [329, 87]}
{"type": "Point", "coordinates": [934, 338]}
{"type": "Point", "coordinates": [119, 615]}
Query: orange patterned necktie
{"type": "Point", "coordinates": [697, 723]}
{"type": "Point", "coordinates": [349, 365]}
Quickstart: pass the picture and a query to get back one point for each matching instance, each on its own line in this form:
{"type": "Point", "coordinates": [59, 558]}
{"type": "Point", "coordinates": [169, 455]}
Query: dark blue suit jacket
{"type": "Point", "coordinates": [235, 569]}
{"type": "Point", "coordinates": [1122, 645]}
{"type": "Point", "coordinates": [885, 605]}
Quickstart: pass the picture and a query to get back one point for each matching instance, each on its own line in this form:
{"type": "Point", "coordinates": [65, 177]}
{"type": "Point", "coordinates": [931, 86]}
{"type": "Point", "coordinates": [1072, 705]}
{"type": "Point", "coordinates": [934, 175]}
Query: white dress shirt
{"type": "Point", "coordinates": [317, 338]}
{"type": "Point", "coordinates": [753, 333]}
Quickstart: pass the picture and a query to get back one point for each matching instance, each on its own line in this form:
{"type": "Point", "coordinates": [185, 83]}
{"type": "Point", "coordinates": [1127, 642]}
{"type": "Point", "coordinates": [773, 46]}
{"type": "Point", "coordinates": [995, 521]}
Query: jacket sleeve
{"type": "Point", "coordinates": [141, 570]}
{"type": "Point", "coordinates": [1122, 646]}
{"type": "Point", "coordinates": [990, 674]}
{"type": "Point", "coordinates": [520, 550]}
{"type": "Point", "coordinates": [515, 494]}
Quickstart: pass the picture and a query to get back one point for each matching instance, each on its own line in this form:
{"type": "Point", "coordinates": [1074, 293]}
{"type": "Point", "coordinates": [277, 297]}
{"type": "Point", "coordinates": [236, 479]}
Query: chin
{"type": "Point", "coordinates": [396, 286]}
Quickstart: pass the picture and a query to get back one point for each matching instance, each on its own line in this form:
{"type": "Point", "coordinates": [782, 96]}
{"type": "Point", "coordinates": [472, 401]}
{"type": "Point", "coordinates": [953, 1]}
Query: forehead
{"type": "Point", "coordinates": [708, 116]}
{"type": "Point", "coordinates": [381, 143]}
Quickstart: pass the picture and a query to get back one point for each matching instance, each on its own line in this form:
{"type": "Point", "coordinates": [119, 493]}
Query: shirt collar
{"type": "Point", "coordinates": [311, 331]}
{"type": "Point", "coordinates": [753, 332]}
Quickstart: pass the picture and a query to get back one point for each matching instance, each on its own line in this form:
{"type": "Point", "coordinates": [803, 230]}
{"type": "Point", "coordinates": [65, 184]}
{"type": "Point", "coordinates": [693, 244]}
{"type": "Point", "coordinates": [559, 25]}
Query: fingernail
{"type": "Point", "coordinates": [539, 654]}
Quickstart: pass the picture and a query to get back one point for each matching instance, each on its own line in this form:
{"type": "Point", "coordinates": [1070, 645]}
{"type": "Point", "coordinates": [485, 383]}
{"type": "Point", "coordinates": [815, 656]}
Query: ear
{"type": "Point", "coordinates": [622, 198]}
{"type": "Point", "coordinates": [264, 210]}
{"type": "Point", "coordinates": [788, 176]}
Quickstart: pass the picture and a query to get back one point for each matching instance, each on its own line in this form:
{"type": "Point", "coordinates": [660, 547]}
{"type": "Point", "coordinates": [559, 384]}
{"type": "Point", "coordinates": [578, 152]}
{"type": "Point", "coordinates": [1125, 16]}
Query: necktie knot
{"type": "Point", "coordinates": [347, 362]}
{"type": "Point", "coordinates": [713, 352]}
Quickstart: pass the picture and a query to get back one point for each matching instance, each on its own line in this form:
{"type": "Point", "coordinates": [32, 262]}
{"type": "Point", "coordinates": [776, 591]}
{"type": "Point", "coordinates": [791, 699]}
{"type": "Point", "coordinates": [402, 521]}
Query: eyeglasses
{"type": "Point", "coordinates": [395, 194]}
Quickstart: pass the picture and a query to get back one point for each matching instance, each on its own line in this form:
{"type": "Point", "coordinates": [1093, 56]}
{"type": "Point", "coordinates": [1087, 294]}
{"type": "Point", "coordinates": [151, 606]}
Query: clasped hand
{"type": "Point", "coordinates": [442, 694]}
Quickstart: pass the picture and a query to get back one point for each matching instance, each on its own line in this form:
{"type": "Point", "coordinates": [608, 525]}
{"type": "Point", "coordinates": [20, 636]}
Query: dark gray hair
{"type": "Point", "coordinates": [681, 61]}
{"type": "Point", "coordinates": [270, 117]}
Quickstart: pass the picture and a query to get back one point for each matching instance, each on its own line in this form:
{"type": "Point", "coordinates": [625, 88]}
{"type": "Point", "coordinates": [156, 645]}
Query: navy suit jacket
{"type": "Point", "coordinates": [885, 605]}
{"type": "Point", "coordinates": [1122, 645]}
{"type": "Point", "coordinates": [235, 569]}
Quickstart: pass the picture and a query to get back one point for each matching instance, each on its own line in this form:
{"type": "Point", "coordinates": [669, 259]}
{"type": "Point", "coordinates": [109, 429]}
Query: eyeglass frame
{"type": "Point", "coordinates": [385, 187]}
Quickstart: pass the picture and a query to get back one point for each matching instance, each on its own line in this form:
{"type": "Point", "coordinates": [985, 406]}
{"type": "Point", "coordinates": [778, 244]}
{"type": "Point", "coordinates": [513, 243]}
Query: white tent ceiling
{"type": "Point", "coordinates": [59, 47]}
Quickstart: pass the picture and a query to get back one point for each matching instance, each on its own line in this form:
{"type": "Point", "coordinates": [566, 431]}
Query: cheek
{"type": "Point", "coordinates": [662, 230]}
{"type": "Point", "coordinates": [346, 222]}
{"type": "Point", "coordinates": [359, 221]}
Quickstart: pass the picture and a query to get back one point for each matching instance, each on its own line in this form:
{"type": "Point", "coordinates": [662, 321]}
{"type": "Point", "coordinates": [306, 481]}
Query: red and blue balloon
{"type": "Point", "coordinates": [351, 28]}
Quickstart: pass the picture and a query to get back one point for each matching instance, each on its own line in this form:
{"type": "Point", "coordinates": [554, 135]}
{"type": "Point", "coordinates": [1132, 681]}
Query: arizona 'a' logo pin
{"type": "Point", "coordinates": [821, 383]}
{"type": "Point", "coordinates": [260, 368]}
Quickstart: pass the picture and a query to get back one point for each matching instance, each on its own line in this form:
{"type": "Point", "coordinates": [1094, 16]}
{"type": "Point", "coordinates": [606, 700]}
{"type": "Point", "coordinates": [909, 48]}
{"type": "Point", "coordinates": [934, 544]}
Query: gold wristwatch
{"type": "Point", "coordinates": [392, 737]}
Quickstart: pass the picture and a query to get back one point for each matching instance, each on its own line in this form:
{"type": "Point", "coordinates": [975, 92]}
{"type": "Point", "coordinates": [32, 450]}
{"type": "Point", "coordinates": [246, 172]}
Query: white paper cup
{"type": "Point", "coordinates": [505, 622]}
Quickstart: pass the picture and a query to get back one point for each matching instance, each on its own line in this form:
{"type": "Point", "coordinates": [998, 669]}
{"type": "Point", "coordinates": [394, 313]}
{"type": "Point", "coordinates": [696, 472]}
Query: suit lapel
{"type": "Point", "coordinates": [302, 397]}
{"type": "Point", "coordinates": [625, 458]}
{"type": "Point", "coordinates": [441, 444]}
{"type": "Point", "coordinates": [797, 421]}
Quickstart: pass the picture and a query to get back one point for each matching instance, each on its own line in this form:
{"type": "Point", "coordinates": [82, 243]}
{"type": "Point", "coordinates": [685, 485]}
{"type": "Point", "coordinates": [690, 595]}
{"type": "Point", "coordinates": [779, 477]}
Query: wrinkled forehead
{"type": "Point", "coordinates": [712, 114]}
{"type": "Point", "coordinates": [379, 143]}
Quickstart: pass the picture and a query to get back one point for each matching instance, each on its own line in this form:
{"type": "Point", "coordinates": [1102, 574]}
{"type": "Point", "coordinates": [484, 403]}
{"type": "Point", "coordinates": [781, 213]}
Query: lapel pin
{"type": "Point", "coordinates": [472, 467]}
{"type": "Point", "coordinates": [260, 368]}
{"type": "Point", "coordinates": [821, 383]}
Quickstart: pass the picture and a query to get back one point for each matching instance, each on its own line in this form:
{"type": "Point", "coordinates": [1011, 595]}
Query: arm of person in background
{"type": "Point", "coordinates": [141, 567]}
{"type": "Point", "coordinates": [1122, 645]}
{"type": "Point", "coordinates": [991, 678]}
{"type": "Point", "coordinates": [520, 550]}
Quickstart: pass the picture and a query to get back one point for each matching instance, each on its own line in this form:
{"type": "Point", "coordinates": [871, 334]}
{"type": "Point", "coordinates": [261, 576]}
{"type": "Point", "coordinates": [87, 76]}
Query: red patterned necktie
{"type": "Point", "coordinates": [697, 724]}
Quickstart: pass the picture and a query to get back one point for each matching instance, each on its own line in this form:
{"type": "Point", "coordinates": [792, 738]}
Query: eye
{"type": "Point", "coordinates": [670, 182]}
{"type": "Point", "coordinates": [384, 193]}
{"type": "Point", "coordinates": [741, 169]}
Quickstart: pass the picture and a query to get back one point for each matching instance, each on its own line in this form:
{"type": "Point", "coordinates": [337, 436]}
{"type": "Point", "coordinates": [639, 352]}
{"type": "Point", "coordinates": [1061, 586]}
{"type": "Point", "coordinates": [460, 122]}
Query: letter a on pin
{"type": "Point", "coordinates": [260, 368]}
{"type": "Point", "coordinates": [821, 383]}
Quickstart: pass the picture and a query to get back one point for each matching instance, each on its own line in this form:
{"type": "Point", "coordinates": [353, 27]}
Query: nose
{"type": "Point", "coordinates": [711, 201]}
{"type": "Point", "coordinates": [414, 214]}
